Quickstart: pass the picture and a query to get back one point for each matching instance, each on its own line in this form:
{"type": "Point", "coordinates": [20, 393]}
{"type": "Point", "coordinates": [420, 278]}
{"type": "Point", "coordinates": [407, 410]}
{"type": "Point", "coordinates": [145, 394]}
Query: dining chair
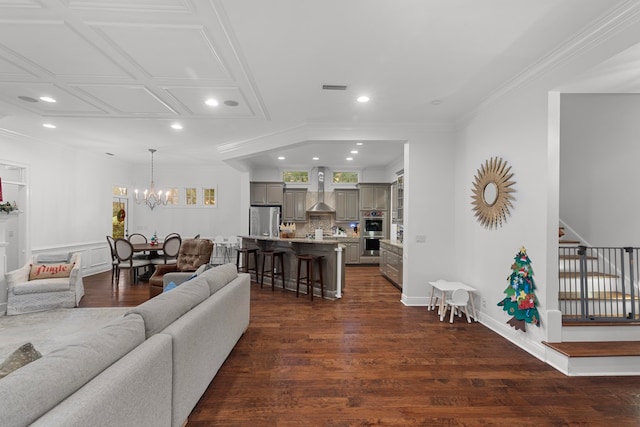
{"type": "Point", "coordinates": [232, 244]}
{"type": "Point", "coordinates": [124, 253]}
{"type": "Point", "coordinates": [114, 258]}
{"type": "Point", "coordinates": [170, 250]}
{"type": "Point", "coordinates": [458, 301]}
{"type": "Point", "coordinates": [137, 238]}
{"type": "Point", "coordinates": [172, 235]}
{"type": "Point", "coordinates": [220, 248]}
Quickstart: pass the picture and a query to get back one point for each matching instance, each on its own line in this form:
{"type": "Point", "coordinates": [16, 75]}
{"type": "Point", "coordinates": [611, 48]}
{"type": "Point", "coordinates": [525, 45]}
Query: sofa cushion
{"type": "Point", "coordinates": [218, 277]}
{"type": "Point", "coordinates": [24, 355]}
{"type": "Point", "coordinates": [162, 310]}
{"type": "Point", "coordinates": [29, 392]}
{"type": "Point", "coordinates": [64, 257]}
{"type": "Point", "coordinates": [46, 271]}
{"type": "Point", "coordinates": [42, 285]}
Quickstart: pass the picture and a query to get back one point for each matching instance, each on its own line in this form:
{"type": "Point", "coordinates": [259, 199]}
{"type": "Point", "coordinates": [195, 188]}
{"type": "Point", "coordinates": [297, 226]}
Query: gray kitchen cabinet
{"type": "Point", "coordinates": [267, 193]}
{"type": "Point", "coordinates": [347, 205]}
{"type": "Point", "coordinates": [391, 262]}
{"type": "Point", "coordinates": [397, 200]}
{"type": "Point", "coordinates": [352, 252]}
{"type": "Point", "coordinates": [374, 196]}
{"type": "Point", "coordinates": [294, 207]}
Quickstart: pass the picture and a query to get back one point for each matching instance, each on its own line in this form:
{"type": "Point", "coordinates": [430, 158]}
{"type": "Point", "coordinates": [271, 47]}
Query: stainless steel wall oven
{"type": "Point", "coordinates": [373, 228]}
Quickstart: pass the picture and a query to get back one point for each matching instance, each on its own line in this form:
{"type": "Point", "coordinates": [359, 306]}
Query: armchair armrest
{"type": "Point", "coordinates": [20, 275]}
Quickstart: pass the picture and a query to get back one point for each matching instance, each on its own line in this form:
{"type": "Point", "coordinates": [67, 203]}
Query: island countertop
{"type": "Point", "coordinates": [326, 241]}
{"type": "Point", "coordinates": [330, 249]}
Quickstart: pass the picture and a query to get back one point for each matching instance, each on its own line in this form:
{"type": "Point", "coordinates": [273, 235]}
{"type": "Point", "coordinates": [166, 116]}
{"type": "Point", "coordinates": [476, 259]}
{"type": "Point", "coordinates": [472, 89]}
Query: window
{"type": "Point", "coordinates": [192, 196]}
{"type": "Point", "coordinates": [345, 178]}
{"type": "Point", "coordinates": [299, 177]}
{"type": "Point", "coordinates": [119, 191]}
{"type": "Point", "coordinates": [174, 194]}
{"type": "Point", "coordinates": [209, 196]}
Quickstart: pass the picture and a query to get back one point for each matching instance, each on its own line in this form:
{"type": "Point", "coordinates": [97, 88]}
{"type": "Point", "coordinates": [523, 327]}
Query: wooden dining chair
{"type": "Point", "coordinates": [170, 250]}
{"type": "Point", "coordinates": [114, 258]}
{"type": "Point", "coordinates": [124, 253]}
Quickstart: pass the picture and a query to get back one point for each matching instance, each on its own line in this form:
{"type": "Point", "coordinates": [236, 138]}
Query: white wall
{"type": "Point", "coordinates": [70, 193]}
{"type": "Point", "coordinates": [519, 127]}
{"type": "Point", "coordinates": [429, 227]}
{"type": "Point", "coordinates": [227, 218]}
{"type": "Point", "coordinates": [69, 198]}
{"type": "Point", "coordinates": [599, 159]}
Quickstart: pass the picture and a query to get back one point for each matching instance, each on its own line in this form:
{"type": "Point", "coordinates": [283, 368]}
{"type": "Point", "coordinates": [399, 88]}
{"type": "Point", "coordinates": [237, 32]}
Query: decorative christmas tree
{"type": "Point", "coordinates": [521, 301]}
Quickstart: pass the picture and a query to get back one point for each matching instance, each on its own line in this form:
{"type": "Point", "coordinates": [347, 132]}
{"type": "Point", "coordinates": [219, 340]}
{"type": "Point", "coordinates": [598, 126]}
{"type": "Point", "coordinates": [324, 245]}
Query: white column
{"type": "Point", "coordinates": [4, 218]}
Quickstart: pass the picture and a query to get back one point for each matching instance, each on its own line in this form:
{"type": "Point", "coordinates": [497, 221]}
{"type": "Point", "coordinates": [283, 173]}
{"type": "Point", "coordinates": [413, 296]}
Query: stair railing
{"type": "Point", "coordinates": [599, 284]}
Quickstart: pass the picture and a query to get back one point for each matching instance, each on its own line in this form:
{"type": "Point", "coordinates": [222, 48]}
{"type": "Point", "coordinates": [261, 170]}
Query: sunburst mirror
{"type": "Point", "coordinates": [492, 190]}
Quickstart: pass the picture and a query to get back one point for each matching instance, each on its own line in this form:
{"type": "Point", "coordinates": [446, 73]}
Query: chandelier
{"type": "Point", "coordinates": [151, 198]}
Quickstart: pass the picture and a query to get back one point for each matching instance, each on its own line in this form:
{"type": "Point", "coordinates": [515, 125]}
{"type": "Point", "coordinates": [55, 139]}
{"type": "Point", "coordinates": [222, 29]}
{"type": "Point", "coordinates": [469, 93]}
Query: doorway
{"type": "Point", "coordinates": [119, 217]}
{"type": "Point", "coordinates": [14, 189]}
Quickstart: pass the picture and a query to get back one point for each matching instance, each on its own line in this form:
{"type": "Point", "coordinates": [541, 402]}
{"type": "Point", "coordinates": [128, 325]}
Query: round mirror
{"type": "Point", "coordinates": [490, 193]}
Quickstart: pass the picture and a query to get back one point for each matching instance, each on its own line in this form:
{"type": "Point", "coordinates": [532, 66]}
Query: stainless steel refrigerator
{"type": "Point", "coordinates": [264, 221]}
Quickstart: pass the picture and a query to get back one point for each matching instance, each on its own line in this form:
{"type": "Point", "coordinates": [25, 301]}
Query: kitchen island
{"type": "Point", "coordinates": [332, 265]}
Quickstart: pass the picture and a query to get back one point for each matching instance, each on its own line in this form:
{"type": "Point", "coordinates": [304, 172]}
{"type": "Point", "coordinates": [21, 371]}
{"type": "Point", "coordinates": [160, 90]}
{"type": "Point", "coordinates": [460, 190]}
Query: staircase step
{"type": "Point", "coordinates": [569, 242]}
{"type": "Point", "coordinates": [596, 349]}
{"type": "Point", "coordinates": [576, 275]}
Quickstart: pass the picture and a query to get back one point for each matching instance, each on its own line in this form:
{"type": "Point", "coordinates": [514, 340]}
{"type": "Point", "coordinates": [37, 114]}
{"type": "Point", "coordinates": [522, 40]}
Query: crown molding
{"type": "Point", "coordinates": [607, 26]}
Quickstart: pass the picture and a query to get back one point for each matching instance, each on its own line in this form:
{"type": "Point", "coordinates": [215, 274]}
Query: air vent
{"type": "Point", "coordinates": [334, 87]}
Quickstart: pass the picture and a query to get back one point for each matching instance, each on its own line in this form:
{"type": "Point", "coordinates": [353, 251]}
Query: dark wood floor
{"type": "Point", "coordinates": [368, 360]}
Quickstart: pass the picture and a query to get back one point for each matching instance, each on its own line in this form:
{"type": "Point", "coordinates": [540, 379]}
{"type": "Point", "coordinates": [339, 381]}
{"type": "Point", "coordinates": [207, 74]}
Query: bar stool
{"type": "Point", "coordinates": [245, 267]}
{"type": "Point", "coordinates": [274, 256]}
{"type": "Point", "coordinates": [310, 260]}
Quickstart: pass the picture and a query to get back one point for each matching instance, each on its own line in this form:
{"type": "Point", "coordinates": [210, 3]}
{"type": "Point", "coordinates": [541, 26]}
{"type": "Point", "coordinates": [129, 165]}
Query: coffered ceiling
{"type": "Point", "coordinates": [123, 71]}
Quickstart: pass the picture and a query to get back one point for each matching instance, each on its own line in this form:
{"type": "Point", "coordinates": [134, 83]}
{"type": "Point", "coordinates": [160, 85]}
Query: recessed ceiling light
{"type": "Point", "coordinates": [47, 99]}
{"type": "Point", "coordinates": [316, 158]}
{"type": "Point", "coordinates": [212, 102]}
{"type": "Point", "coordinates": [349, 158]}
{"type": "Point", "coordinates": [281, 157]}
{"type": "Point", "coordinates": [176, 126]}
{"type": "Point", "coordinates": [49, 125]}
{"type": "Point", "coordinates": [363, 98]}
{"type": "Point", "coordinates": [354, 151]}
{"type": "Point", "coordinates": [359, 143]}
{"type": "Point", "coordinates": [231, 103]}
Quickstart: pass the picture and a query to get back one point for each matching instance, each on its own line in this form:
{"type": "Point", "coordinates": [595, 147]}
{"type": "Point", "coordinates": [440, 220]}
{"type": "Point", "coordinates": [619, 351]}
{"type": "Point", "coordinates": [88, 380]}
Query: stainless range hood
{"type": "Point", "coordinates": [320, 206]}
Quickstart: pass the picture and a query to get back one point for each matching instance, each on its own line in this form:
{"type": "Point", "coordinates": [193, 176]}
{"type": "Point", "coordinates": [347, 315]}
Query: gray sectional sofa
{"type": "Point", "coordinates": [147, 368]}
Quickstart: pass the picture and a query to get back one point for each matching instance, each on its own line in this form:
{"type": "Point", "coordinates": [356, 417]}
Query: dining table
{"type": "Point", "coordinates": [147, 247]}
{"type": "Point", "coordinates": [444, 286]}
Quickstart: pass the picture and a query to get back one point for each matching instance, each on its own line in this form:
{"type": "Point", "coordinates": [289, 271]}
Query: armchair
{"type": "Point", "coordinates": [26, 296]}
{"type": "Point", "coordinates": [193, 253]}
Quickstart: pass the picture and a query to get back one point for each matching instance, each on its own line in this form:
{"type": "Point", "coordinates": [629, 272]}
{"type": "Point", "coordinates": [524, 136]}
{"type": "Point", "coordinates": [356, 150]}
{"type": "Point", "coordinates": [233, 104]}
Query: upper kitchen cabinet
{"type": "Point", "coordinates": [347, 205]}
{"type": "Point", "coordinates": [397, 200]}
{"type": "Point", "coordinates": [295, 205]}
{"type": "Point", "coordinates": [374, 196]}
{"type": "Point", "coordinates": [267, 193]}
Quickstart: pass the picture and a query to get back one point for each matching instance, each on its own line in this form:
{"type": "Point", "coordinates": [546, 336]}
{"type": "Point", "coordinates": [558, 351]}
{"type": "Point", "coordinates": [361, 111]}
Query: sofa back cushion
{"type": "Point", "coordinates": [162, 310]}
{"type": "Point", "coordinates": [218, 277]}
{"type": "Point", "coordinates": [193, 253]}
{"type": "Point", "coordinates": [29, 392]}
